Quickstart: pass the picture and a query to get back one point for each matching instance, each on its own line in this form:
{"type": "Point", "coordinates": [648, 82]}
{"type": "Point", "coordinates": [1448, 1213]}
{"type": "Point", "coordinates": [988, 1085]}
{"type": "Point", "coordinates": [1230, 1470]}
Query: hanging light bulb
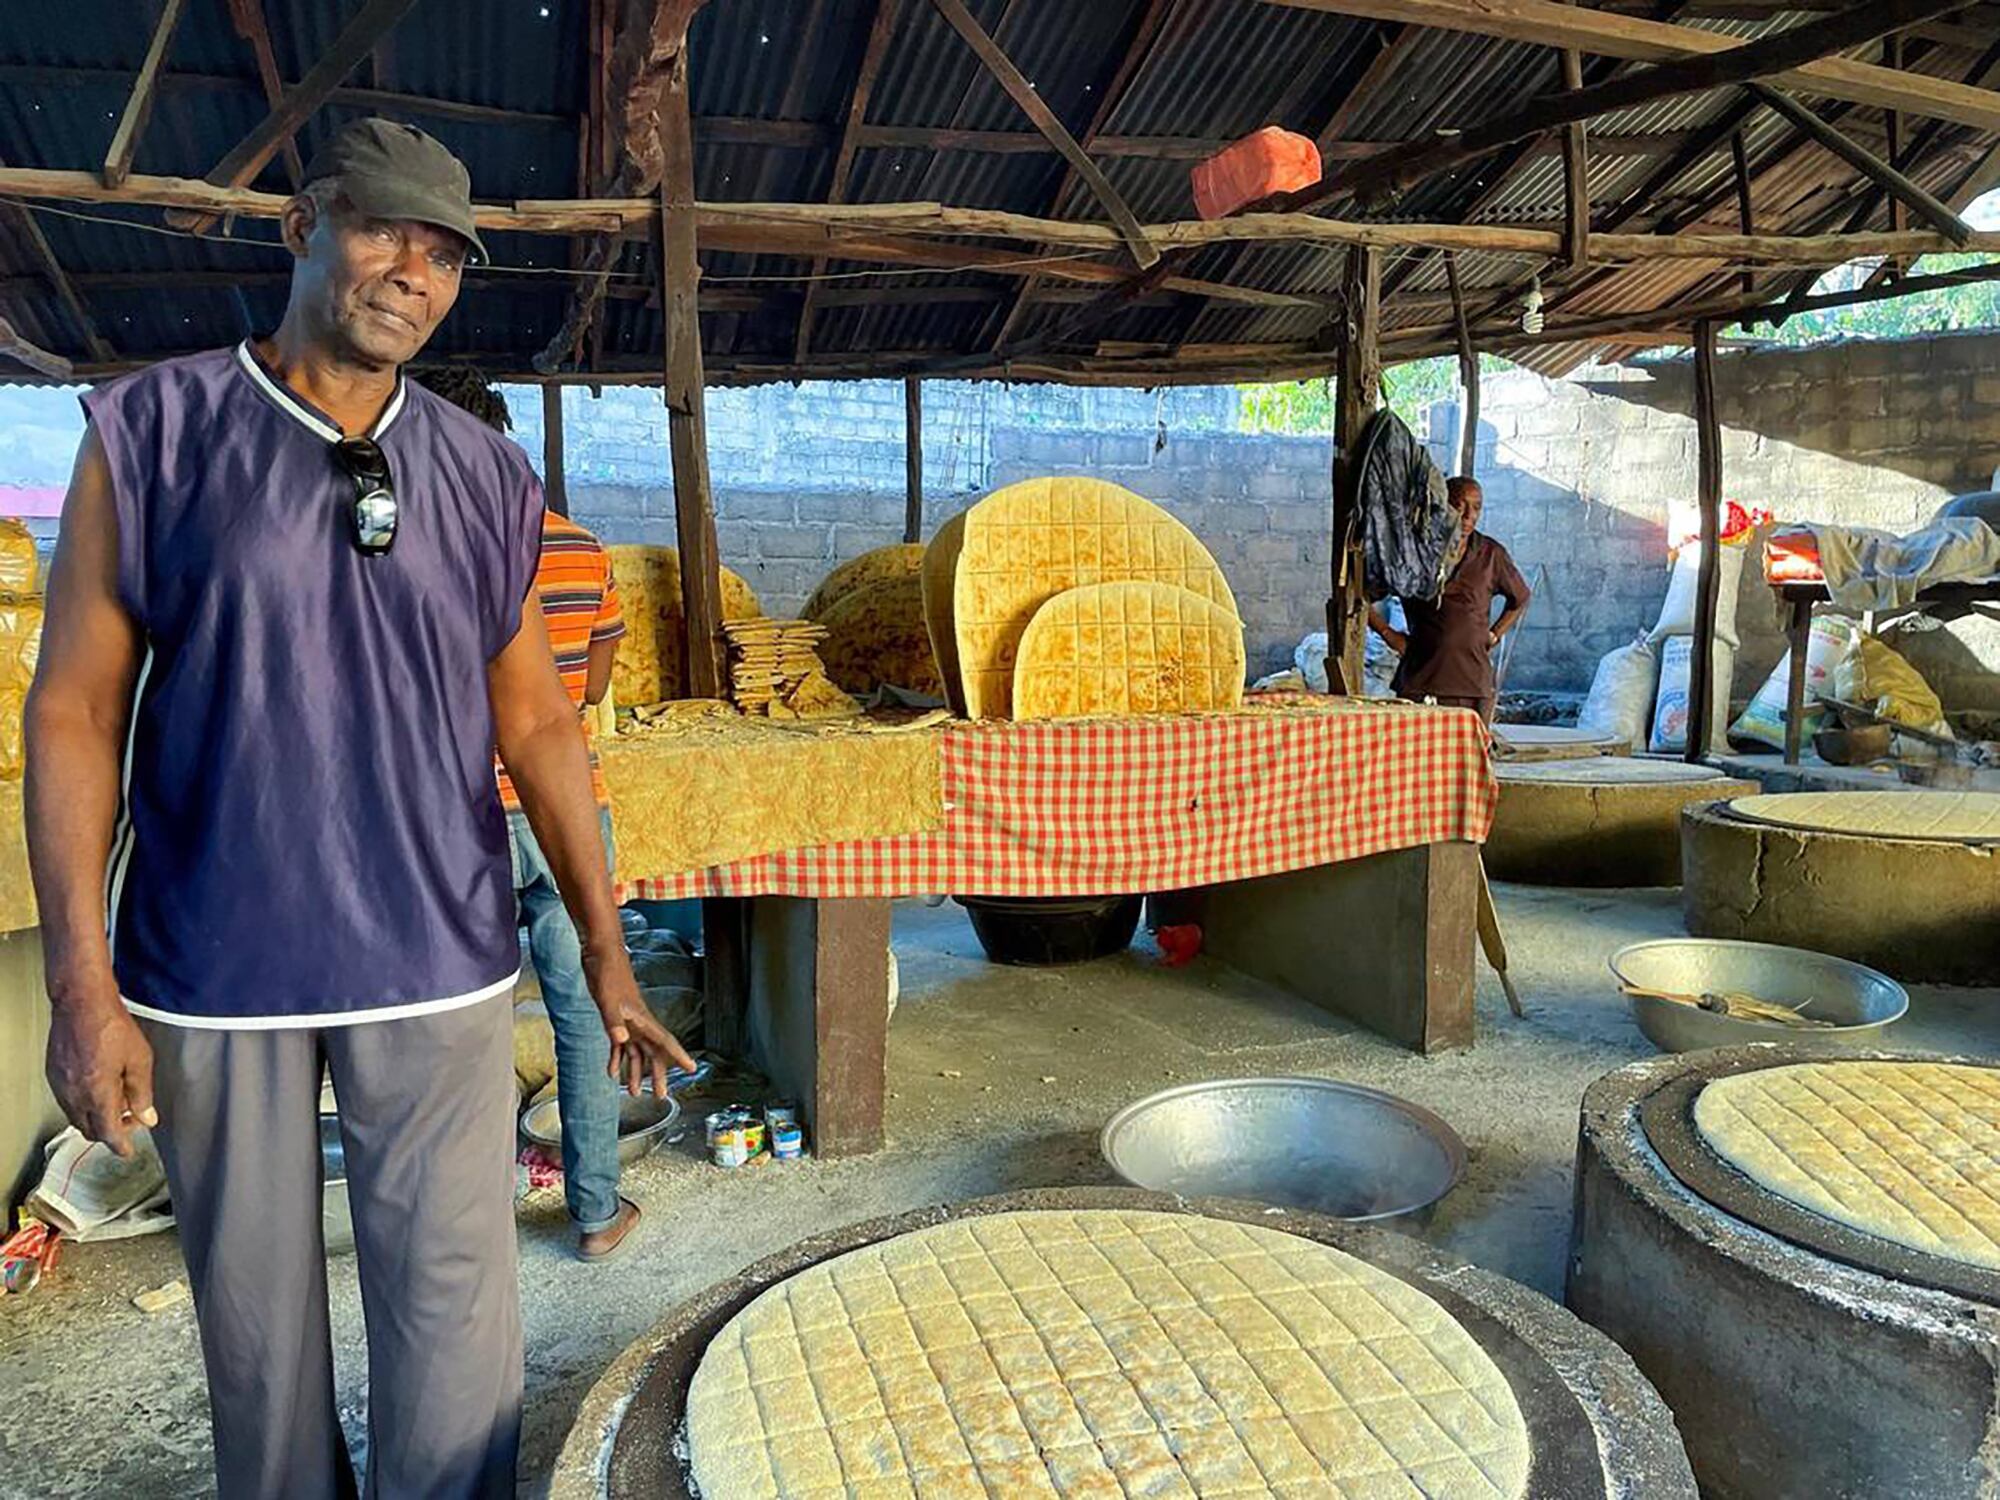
{"type": "Point", "coordinates": [1531, 307]}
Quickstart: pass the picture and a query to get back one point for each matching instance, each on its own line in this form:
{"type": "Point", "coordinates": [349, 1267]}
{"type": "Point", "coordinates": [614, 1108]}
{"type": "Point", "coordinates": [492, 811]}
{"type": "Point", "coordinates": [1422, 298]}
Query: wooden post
{"type": "Point", "coordinates": [1357, 382]}
{"type": "Point", "coordinates": [1799, 631]}
{"type": "Point", "coordinates": [139, 104]}
{"type": "Point", "coordinates": [1745, 213]}
{"type": "Point", "coordinates": [1576, 172]}
{"type": "Point", "coordinates": [553, 485]}
{"type": "Point", "coordinates": [913, 459]}
{"type": "Point", "coordinates": [1892, 57]}
{"type": "Point", "coordinates": [1468, 374]}
{"type": "Point", "coordinates": [1708, 438]}
{"type": "Point", "coordinates": [687, 421]}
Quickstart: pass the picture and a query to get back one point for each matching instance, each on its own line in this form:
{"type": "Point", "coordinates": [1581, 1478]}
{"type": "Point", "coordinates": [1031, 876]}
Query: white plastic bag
{"type": "Point", "coordinates": [1620, 703]}
{"type": "Point", "coordinates": [1310, 659]}
{"type": "Point", "coordinates": [1683, 587]}
{"type": "Point", "coordinates": [1670, 712]}
{"type": "Point", "coordinates": [90, 1192]}
{"type": "Point", "coordinates": [1763, 721]}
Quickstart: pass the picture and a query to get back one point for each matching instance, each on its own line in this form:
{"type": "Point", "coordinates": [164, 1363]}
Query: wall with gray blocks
{"type": "Point", "coordinates": [1579, 475]}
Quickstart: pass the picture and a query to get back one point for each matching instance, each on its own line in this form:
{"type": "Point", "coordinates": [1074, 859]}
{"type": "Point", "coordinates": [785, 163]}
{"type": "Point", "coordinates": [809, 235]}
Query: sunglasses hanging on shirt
{"type": "Point", "coordinates": [374, 514]}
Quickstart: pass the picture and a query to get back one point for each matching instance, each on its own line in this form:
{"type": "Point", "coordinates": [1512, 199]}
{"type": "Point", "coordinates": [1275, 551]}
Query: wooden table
{"type": "Point", "coordinates": [1327, 846]}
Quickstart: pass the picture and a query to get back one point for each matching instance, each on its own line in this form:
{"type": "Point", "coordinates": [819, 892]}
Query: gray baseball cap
{"type": "Point", "coordinates": [393, 171]}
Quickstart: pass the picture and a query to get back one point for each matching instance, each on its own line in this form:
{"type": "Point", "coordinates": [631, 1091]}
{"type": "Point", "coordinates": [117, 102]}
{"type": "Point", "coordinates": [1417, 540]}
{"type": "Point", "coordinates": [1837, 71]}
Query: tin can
{"type": "Point", "coordinates": [782, 1113]}
{"type": "Point", "coordinates": [729, 1138]}
{"type": "Point", "coordinates": [753, 1136]}
{"type": "Point", "coordinates": [714, 1125]}
{"type": "Point", "coordinates": [788, 1142]}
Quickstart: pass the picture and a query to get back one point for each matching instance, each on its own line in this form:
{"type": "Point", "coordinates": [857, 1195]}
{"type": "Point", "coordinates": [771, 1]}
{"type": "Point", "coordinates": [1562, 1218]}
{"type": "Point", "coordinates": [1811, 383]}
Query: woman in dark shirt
{"type": "Point", "coordinates": [1448, 650]}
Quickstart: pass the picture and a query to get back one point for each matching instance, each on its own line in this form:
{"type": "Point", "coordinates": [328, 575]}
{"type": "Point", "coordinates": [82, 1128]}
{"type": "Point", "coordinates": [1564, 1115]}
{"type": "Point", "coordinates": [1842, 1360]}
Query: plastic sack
{"type": "Point", "coordinates": [90, 1192]}
{"type": "Point", "coordinates": [1620, 703]}
{"type": "Point", "coordinates": [1264, 162]}
{"type": "Point", "coordinates": [20, 649]}
{"type": "Point", "coordinates": [1763, 720]}
{"type": "Point", "coordinates": [1671, 708]}
{"type": "Point", "coordinates": [1875, 676]}
{"type": "Point", "coordinates": [1379, 659]}
{"type": "Point", "coordinates": [20, 568]}
{"type": "Point", "coordinates": [1684, 586]}
{"type": "Point", "coordinates": [1310, 659]}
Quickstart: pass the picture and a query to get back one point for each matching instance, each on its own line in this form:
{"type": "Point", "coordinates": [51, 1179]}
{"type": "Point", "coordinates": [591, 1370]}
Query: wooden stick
{"type": "Point", "coordinates": [555, 486]}
{"type": "Point", "coordinates": [1044, 119]}
{"type": "Point", "coordinates": [913, 459]}
{"type": "Point", "coordinates": [1356, 386]}
{"type": "Point", "coordinates": [139, 103]}
{"type": "Point", "coordinates": [36, 358]}
{"type": "Point", "coordinates": [879, 32]}
{"type": "Point", "coordinates": [1892, 57]}
{"type": "Point", "coordinates": [1745, 213]}
{"type": "Point", "coordinates": [1550, 23]}
{"type": "Point", "coordinates": [248, 18]}
{"type": "Point", "coordinates": [1708, 592]}
{"type": "Point", "coordinates": [66, 292]}
{"type": "Point", "coordinates": [1110, 94]}
{"type": "Point", "coordinates": [242, 164]}
{"type": "Point", "coordinates": [1866, 162]}
{"type": "Point", "coordinates": [1468, 374]}
{"type": "Point", "coordinates": [1780, 54]}
{"type": "Point", "coordinates": [687, 420]}
{"type": "Point", "coordinates": [1576, 172]}
{"type": "Point", "coordinates": [882, 231]}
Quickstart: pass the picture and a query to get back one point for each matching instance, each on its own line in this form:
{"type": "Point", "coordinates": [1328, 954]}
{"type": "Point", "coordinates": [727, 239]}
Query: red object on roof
{"type": "Point", "coordinates": [1270, 161]}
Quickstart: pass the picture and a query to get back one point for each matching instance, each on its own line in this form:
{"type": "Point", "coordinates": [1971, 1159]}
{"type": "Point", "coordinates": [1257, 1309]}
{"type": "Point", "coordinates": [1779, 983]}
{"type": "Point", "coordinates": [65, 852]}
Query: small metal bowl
{"type": "Point", "coordinates": [1333, 1148]}
{"type": "Point", "coordinates": [643, 1122]}
{"type": "Point", "coordinates": [1860, 1002]}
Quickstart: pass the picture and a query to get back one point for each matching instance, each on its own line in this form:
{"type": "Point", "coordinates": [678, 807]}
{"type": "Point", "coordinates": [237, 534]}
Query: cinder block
{"type": "Point", "coordinates": [852, 541]}
{"type": "Point", "coordinates": [813, 542]}
{"type": "Point", "coordinates": [761, 507]}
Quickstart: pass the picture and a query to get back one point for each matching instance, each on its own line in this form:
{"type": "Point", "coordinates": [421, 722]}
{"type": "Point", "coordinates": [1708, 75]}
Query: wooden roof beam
{"type": "Point", "coordinates": [30, 231]}
{"type": "Point", "coordinates": [1031, 104]}
{"type": "Point", "coordinates": [1553, 24]}
{"type": "Point", "coordinates": [33, 355]}
{"type": "Point", "coordinates": [240, 166]}
{"type": "Point", "coordinates": [1782, 53]}
{"type": "Point", "coordinates": [247, 16]}
{"type": "Point", "coordinates": [139, 103]}
{"type": "Point", "coordinates": [880, 29]}
{"type": "Point", "coordinates": [1867, 163]}
{"type": "Point", "coordinates": [1110, 94]}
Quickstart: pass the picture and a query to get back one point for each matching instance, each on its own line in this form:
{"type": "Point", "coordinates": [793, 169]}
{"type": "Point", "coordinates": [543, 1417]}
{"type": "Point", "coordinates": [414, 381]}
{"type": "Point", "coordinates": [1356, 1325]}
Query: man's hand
{"type": "Point", "coordinates": [640, 1046]}
{"type": "Point", "coordinates": [101, 1066]}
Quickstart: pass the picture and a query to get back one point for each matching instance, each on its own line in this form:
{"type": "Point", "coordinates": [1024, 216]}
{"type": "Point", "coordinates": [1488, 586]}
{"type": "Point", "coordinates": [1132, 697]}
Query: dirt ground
{"type": "Point", "coordinates": [1000, 1080]}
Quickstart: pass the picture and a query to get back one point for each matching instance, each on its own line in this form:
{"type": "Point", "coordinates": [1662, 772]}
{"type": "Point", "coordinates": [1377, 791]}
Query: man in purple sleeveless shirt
{"type": "Point", "coordinates": [291, 614]}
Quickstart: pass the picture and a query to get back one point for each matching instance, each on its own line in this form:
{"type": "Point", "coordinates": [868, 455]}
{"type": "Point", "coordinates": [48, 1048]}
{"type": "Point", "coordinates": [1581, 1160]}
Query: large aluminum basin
{"type": "Point", "coordinates": [1312, 1143]}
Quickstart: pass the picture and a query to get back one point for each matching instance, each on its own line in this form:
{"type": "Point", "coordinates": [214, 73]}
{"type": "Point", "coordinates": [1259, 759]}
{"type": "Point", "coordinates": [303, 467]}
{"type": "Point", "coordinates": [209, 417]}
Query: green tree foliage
{"type": "Point", "coordinates": [1305, 407]}
{"type": "Point", "coordinates": [1946, 310]}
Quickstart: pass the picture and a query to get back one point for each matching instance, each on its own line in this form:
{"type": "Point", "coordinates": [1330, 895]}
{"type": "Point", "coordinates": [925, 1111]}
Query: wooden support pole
{"type": "Point", "coordinates": [554, 486]}
{"type": "Point", "coordinates": [1468, 374]}
{"type": "Point", "coordinates": [248, 18]}
{"type": "Point", "coordinates": [687, 419]}
{"type": "Point", "coordinates": [1576, 172]}
{"type": "Point", "coordinates": [139, 103]}
{"type": "Point", "coordinates": [1708, 458]}
{"type": "Point", "coordinates": [30, 233]}
{"type": "Point", "coordinates": [1866, 162]}
{"type": "Point", "coordinates": [1356, 387]}
{"type": "Point", "coordinates": [1745, 213]}
{"type": "Point", "coordinates": [1022, 92]}
{"type": "Point", "coordinates": [246, 159]}
{"type": "Point", "coordinates": [36, 358]}
{"type": "Point", "coordinates": [913, 460]}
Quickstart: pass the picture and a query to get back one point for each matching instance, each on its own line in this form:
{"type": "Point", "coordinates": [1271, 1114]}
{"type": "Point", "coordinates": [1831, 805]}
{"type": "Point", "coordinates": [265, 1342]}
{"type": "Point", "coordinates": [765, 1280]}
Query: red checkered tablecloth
{"type": "Point", "coordinates": [1103, 807]}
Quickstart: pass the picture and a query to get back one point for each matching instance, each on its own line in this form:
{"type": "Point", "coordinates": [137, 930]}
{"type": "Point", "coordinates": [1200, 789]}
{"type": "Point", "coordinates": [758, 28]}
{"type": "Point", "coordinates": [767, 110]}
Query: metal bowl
{"type": "Point", "coordinates": [1859, 1001]}
{"type": "Point", "coordinates": [643, 1122]}
{"type": "Point", "coordinates": [1333, 1148]}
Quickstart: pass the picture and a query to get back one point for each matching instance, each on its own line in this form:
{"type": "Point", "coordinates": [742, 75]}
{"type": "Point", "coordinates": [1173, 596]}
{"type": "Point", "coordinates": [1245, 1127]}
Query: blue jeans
{"type": "Point", "coordinates": [585, 1092]}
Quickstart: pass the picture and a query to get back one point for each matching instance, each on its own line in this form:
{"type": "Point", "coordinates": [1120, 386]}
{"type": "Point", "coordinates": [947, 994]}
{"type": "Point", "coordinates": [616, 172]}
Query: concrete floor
{"type": "Point", "coordinates": [1000, 1079]}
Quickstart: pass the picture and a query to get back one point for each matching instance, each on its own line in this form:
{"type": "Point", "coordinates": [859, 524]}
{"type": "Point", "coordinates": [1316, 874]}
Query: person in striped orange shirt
{"type": "Point", "coordinates": [579, 600]}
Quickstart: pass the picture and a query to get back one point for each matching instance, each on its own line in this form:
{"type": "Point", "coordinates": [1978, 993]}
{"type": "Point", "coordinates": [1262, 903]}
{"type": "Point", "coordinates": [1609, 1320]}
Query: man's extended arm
{"type": "Point", "coordinates": [1379, 623]}
{"type": "Point", "coordinates": [1511, 586]}
{"type": "Point", "coordinates": [99, 1063]}
{"type": "Point", "coordinates": [542, 746]}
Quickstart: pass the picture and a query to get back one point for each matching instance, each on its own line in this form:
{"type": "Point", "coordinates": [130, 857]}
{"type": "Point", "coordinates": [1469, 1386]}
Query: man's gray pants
{"type": "Point", "coordinates": [427, 1118]}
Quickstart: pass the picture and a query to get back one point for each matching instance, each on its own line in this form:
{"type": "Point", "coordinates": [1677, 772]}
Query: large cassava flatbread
{"type": "Point", "coordinates": [1099, 1353]}
{"type": "Point", "coordinates": [1128, 648]}
{"type": "Point", "coordinates": [651, 666]}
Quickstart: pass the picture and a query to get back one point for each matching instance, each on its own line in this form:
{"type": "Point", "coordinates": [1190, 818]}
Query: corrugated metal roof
{"type": "Point", "coordinates": [1215, 70]}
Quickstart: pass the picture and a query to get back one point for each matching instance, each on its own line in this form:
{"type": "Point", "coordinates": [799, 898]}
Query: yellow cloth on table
{"type": "Point", "coordinates": [689, 793]}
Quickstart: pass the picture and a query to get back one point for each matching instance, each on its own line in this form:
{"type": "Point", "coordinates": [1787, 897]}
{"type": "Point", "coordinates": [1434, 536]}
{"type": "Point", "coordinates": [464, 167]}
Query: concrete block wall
{"type": "Point", "coordinates": [805, 479]}
{"type": "Point", "coordinates": [1580, 474]}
